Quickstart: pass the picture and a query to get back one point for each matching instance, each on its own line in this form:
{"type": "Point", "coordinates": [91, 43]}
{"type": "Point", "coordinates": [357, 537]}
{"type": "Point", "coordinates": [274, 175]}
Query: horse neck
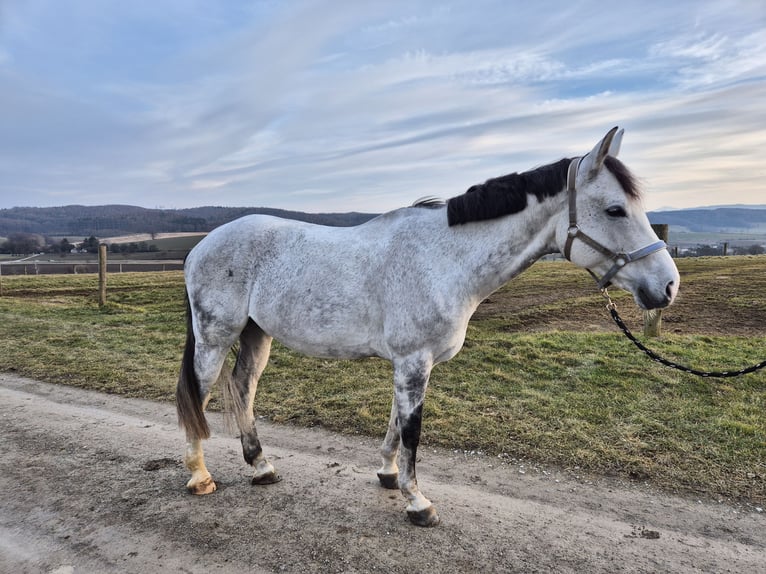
{"type": "Point", "coordinates": [496, 250]}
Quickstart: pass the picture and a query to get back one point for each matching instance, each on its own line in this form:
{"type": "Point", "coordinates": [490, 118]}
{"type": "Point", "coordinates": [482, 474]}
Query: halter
{"type": "Point", "coordinates": [619, 260]}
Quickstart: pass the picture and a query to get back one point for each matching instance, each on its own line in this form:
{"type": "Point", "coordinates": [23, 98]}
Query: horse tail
{"type": "Point", "coordinates": [191, 415]}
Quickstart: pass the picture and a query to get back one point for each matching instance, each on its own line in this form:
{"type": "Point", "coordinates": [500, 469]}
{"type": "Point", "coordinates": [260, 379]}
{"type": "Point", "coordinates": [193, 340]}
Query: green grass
{"type": "Point", "coordinates": [182, 243]}
{"type": "Point", "coordinates": [582, 397]}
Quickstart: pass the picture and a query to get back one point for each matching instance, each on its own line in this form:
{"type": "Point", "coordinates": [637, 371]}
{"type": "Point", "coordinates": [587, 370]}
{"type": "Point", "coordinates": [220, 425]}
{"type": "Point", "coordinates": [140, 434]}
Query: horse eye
{"type": "Point", "coordinates": [616, 211]}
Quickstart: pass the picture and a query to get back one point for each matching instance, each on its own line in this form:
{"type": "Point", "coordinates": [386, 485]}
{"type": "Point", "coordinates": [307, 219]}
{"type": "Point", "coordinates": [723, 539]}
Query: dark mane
{"type": "Point", "coordinates": [508, 194]}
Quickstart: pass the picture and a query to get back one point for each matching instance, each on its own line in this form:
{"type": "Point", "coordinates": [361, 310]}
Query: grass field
{"type": "Point", "coordinates": [544, 375]}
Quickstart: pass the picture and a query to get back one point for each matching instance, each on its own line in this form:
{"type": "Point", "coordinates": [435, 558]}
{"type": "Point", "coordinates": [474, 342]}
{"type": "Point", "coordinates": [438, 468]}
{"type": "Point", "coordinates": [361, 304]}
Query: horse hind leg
{"type": "Point", "coordinates": [254, 349]}
{"type": "Point", "coordinates": [197, 379]}
{"type": "Point", "coordinates": [201, 482]}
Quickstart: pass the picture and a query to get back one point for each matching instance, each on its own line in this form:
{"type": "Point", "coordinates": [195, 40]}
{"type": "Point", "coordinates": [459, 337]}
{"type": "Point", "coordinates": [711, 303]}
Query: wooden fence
{"type": "Point", "coordinates": [653, 319]}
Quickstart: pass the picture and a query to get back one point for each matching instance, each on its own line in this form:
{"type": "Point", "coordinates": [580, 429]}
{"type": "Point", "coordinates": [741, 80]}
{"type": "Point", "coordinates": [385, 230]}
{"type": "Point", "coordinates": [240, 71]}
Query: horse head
{"type": "Point", "coordinates": [606, 230]}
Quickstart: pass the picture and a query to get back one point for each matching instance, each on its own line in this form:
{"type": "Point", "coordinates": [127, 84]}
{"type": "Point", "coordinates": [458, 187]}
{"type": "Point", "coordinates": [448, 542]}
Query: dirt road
{"type": "Point", "coordinates": [94, 483]}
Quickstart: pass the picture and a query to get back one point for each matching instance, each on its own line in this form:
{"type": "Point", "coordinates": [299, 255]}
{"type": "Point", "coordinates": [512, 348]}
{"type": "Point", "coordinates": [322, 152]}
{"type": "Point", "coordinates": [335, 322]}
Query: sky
{"type": "Point", "coordinates": [367, 106]}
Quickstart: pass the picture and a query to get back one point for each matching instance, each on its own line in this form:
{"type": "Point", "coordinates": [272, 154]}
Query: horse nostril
{"type": "Point", "coordinates": [669, 289]}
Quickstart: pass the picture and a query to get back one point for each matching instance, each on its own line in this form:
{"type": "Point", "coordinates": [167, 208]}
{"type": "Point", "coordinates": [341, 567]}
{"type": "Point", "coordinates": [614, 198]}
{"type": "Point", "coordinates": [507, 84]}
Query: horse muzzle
{"type": "Point", "coordinates": [649, 299]}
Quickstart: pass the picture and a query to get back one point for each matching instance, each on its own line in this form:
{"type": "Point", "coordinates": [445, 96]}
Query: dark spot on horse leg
{"type": "Point", "coordinates": [410, 433]}
{"type": "Point", "coordinates": [203, 316]}
{"type": "Point", "coordinates": [251, 447]}
{"type": "Point", "coordinates": [231, 273]}
{"type": "Point", "coordinates": [410, 440]}
{"type": "Point", "coordinates": [253, 453]}
{"type": "Point", "coordinates": [415, 388]}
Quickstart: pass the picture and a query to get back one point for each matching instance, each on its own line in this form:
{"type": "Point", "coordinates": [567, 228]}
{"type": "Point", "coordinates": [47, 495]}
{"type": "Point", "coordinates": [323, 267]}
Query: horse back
{"type": "Point", "coordinates": [368, 290]}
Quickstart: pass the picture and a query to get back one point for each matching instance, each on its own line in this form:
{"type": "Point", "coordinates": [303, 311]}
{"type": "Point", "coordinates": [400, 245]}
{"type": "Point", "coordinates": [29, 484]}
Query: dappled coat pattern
{"type": "Point", "coordinates": [402, 287]}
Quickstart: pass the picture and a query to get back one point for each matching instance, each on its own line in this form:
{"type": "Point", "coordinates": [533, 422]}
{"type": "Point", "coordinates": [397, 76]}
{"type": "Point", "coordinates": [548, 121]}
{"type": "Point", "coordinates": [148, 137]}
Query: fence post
{"type": "Point", "coordinates": [653, 318]}
{"type": "Point", "coordinates": [101, 274]}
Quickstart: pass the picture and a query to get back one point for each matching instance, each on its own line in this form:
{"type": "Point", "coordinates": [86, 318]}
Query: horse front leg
{"type": "Point", "coordinates": [388, 475]}
{"type": "Point", "coordinates": [410, 382]}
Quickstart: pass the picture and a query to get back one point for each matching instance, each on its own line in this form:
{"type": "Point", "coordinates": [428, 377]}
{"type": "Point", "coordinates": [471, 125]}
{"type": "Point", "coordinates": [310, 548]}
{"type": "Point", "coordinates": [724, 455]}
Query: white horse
{"type": "Point", "coordinates": [402, 287]}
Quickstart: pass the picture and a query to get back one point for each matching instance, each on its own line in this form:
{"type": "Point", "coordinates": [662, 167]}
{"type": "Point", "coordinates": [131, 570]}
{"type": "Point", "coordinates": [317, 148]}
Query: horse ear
{"type": "Point", "coordinates": [614, 147]}
{"type": "Point", "coordinates": [609, 145]}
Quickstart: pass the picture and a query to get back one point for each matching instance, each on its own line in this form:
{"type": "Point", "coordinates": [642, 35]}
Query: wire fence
{"type": "Point", "coordinates": [59, 268]}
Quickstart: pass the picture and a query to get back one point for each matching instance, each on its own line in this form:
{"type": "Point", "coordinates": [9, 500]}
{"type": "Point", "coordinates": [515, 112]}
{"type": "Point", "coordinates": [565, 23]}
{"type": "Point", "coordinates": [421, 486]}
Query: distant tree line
{"type": "Point", "coordinates": [141, 247]}
{"type": "Point", "coordinates": [22, 244]}
{"type": "Point", "coordinates": [115, 220]}
{"type": "Point", "coordinates": [29, 243]}
{"type": "Point", "coordinates": [749, 250]}
{"type": "Point", "coordinates": [708, 250]}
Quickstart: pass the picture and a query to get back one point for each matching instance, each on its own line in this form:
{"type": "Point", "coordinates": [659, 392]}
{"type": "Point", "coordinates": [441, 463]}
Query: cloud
{"type": "Point", "coordinates": [305, 106]}
{"type": "Point", "coordinates": [707, 59]}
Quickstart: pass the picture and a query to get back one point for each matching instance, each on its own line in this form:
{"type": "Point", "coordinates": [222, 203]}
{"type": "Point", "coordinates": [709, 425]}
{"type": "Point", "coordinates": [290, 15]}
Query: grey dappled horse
{"type": "Point", "coordinates": [402, 287]}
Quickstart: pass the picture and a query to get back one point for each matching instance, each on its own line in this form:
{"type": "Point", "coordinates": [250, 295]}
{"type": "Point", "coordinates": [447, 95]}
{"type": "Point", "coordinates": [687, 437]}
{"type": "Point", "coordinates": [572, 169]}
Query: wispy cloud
{"type": "Point", "coordinates": [705, 59]}
{"type": "Point", "coordinates": [305, 105]}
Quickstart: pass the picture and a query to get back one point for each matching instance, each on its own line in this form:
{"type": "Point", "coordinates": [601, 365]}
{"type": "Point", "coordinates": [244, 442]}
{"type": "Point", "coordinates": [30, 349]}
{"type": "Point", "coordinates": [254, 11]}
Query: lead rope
{"type": "Point", "coordinates": [612, 308]}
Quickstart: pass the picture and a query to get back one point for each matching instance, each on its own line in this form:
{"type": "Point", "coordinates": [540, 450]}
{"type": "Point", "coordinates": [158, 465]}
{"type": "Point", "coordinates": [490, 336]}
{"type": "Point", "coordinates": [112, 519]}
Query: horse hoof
{"type": "Point", "coordinates": [389, 481]}
{"type": "Point", "coordinates": [426, 517]}
{"type": "Point", "coordinates": [206, 486]}
{"type": "Point", "coordinates": [268, 478]}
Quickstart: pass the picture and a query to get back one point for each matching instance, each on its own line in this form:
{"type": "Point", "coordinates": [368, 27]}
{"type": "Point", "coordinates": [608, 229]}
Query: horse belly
{"type": "Point", "coordinates": [328, 349]}
{"type": "Point", "coordinates": [326, 327]}
{"type": "Point", "coordinates": [349, 343]}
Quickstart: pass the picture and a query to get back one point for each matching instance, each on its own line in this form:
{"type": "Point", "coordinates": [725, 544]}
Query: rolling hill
{"type": "Point", "coordinates": [112, 220]}
{"type": "Point", "coordinates": [713, 220]}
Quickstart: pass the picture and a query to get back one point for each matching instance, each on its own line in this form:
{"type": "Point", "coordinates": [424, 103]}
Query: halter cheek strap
{"type": "Point", "coordinates": [619, 260]}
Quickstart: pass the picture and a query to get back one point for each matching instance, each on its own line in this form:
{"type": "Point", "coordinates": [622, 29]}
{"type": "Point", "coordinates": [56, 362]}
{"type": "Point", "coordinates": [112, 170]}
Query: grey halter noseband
{"type": "Point", "coordinates": [619, 260]}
